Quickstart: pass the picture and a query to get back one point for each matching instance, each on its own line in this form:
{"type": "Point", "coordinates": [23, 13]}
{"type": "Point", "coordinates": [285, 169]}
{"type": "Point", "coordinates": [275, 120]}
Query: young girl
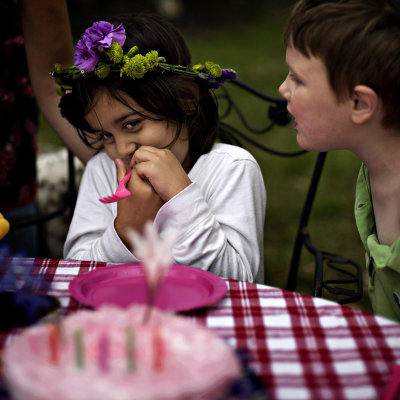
{"type": "Point", "coordinates": [145, 107]}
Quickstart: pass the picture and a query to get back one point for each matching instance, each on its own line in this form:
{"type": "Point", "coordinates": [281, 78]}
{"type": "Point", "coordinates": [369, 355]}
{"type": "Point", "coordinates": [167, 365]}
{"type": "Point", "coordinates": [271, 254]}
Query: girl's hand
{"type": "Point", "coordinates": [134, 211]}
{"type": "Point", "coordinates": [162, 169]}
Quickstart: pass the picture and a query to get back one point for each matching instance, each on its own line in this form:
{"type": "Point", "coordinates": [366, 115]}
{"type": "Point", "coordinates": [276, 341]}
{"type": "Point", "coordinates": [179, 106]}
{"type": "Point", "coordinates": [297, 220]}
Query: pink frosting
{"type": "Point", "coordinates": [190, 358]}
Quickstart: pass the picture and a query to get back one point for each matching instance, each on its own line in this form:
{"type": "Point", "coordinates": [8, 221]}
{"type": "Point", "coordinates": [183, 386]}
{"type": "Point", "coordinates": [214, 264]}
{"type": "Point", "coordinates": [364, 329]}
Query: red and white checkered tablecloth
{"type": "Point", "coordinates": [302, 347]}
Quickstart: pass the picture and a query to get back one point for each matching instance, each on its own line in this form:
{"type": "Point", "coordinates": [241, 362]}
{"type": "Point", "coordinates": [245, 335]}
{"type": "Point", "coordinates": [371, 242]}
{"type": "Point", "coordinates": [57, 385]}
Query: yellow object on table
{"type": "Point", "coordinates": [4, 226]}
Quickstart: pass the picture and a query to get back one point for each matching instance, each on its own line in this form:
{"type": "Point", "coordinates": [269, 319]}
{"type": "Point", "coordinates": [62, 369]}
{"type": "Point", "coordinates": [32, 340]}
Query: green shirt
{"type": "Point", "coordinates": [383, 262]}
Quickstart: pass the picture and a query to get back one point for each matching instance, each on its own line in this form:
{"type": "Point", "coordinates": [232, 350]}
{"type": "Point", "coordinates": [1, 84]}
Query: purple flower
{"type": "Point", "coordinates": [100, 35]}
{"type": "Point", "coordinates": [227, 75]}
{"type": "Point", "coordinates": [85, 58]}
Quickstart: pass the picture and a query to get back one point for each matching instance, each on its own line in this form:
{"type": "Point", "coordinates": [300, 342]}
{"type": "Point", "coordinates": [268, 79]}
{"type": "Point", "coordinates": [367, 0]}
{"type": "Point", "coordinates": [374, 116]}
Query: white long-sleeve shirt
{"type": "Point", "coordinates": [219, 217]}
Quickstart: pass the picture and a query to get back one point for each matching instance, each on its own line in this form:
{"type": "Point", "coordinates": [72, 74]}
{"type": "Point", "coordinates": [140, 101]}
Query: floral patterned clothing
{"type": "Point", "coordinates": [18, 116]}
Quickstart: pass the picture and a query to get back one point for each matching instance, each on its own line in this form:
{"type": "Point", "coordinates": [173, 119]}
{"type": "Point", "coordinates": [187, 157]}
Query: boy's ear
{"type": "Point", "coordinates": [364, 104]}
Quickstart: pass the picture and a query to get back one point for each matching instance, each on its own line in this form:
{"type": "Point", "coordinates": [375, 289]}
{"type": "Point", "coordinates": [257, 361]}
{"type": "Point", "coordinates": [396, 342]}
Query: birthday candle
{"type": "Point", "coordinates": [156, 255]}
{"type": "Point", "coordinates": [79, 356]}
{"type": "Point", "coordinates": [54, 343]}
{"type": "Point", "coordinates": [104, 352]}
{"type": "Point", "coordinates": [158, 349]}
{"type": "Point", "coordinates": [130, 348]}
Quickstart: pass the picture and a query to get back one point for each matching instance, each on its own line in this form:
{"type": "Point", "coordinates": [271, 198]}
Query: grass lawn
{"type": "Point", "coordinates": [254, 49]}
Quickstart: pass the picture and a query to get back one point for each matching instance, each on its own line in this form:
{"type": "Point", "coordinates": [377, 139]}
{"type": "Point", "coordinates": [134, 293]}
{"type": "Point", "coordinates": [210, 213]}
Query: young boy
{"type": "Point", "coordinates": [343, 90]}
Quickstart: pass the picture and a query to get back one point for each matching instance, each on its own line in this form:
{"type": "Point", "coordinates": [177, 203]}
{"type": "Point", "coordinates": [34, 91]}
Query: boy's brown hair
{"type": "Point", "coordinates": [359, 43]}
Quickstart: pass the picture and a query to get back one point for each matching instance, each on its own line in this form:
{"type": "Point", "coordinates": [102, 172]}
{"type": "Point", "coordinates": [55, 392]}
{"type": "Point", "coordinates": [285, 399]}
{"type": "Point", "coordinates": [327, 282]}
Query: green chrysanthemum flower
{"type": "Point", "coordinates": [59, 81]}
{"type": "Point", "coordinates": [136, 67]}
{"type": "Point", "coordinates": [102, 70]}
{"type": "Point", "coordinates": [58, 68]}
{"type": "Point", "coordinates": [152, 59]}
{"type": "Point", "coordinates": [132, 51]}
{"type": "Point", "coordinates": [198, 67]}
{"type": "Point", "coordinates": [77, 73]}
{"type": "Point", "coordinates": [214, 69]}
{"type": "Point", "coordinates": [115, 53]}
{"type": "Point", "coordinates": [60, 90]}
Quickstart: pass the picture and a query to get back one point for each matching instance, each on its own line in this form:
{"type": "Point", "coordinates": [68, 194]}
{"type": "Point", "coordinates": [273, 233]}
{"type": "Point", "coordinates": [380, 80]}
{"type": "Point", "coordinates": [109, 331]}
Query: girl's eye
{"type": "Point", "coordinates": [105, 137]}
{"type": "Point", "coordinates": [133, 125]}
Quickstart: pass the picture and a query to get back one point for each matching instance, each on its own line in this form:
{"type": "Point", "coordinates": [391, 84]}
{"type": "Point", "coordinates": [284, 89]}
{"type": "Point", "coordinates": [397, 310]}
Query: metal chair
{"type": "Point", "coordinates": [242, 133]}
{"type": "Point", "coordinates": [65, 208]}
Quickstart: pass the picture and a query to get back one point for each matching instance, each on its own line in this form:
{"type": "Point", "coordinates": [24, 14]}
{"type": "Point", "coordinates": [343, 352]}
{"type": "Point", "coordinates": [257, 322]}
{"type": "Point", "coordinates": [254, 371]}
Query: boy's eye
{"type": "Point", "coordinates": [294, 78]}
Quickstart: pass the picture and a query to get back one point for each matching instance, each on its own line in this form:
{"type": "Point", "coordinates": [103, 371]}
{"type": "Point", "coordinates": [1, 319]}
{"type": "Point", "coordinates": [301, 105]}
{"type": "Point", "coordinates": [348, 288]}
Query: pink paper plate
{"type": "Point", "coordinates": [184, 288]}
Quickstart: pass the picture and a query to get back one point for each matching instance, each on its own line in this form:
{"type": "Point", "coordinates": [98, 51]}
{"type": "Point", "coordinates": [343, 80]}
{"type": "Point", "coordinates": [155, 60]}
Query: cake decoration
{"type": "Point", "coordinates": [110, 354]}
{"type": "Point", "coordinates": [54, 343]}
{"type": "Point", "coordinates": [104, 352]}
{"type": "Point", "coordinates": [79, 348]}
{"type": "Point", "coordinates": [155, 254]}
{"type": "Point", "coordinates": [130, 348]}
{"type": "Point", "coordinates": [158, 349]}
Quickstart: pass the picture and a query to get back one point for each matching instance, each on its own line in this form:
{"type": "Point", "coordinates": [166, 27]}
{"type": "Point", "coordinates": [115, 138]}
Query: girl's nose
{"type": "Point", "coordinates": [125, 149]}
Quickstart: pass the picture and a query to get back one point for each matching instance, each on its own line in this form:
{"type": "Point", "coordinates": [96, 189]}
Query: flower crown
{"type": "Point", "coordinates": [99, 54]}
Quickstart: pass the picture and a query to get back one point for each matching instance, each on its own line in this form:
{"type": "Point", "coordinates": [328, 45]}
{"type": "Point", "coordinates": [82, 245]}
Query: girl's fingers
{"type": "Point", "coordinates": [121, 169]}
{"type": "Point", "coordinates": [136, 183]}
{"type": "Point", "coordinates": [144, 153]}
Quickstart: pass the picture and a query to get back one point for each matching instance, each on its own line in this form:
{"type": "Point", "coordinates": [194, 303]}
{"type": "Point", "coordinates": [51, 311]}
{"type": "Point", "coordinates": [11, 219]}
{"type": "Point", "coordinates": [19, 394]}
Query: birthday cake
{"type": "Point", "coordinates": [111, 354]}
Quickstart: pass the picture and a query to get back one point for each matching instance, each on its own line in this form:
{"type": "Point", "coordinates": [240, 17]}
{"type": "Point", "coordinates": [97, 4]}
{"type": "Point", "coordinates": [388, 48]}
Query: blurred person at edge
{"type": "Point", "coordinates": [25, 88]}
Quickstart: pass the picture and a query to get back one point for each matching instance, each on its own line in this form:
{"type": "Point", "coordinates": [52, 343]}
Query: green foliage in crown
{"type": "Point", "coordinates": [112, 63]}
{"type": "Point", "coordinates": [99, 55]}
